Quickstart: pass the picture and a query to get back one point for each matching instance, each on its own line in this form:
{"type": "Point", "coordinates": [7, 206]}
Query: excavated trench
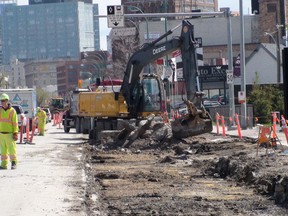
{"type": "Point", "coordinates": [203, 175]}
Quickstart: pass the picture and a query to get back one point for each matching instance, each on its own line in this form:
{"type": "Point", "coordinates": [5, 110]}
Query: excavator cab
{"type": "Point", "coordinates": [147, 96]}
{"type": "Point", "coordinates": [151, 95]}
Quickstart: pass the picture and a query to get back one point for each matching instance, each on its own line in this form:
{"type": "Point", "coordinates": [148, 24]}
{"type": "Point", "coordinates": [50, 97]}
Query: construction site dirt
{"type": "Point", "coordinates": [201, 175]}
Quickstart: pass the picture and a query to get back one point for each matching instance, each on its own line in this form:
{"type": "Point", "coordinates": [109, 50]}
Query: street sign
{"type": "Point", "coordinates": [115, 15]}
{"type": "Point", "coordinates": [198, 43]}
{"type": "Point", "coordinates": [213, 73]}
{"type": "Point", "coordinates": [241, 97]}
{"type": "Point", "coordinates": [229, 76]}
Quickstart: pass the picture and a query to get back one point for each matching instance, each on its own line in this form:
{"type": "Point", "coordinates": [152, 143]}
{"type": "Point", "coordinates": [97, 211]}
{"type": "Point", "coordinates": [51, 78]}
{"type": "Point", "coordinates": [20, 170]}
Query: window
{"type": "Point", "coordinates": [151, 94]}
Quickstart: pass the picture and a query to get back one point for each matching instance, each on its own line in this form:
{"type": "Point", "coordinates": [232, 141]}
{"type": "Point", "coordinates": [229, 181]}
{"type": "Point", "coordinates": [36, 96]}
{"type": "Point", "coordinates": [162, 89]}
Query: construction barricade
{"type": "Point", "coordinates": [266, 138]}
{"type": "Point", "coordinates": [223, 126]}
{"type": "Point", "coordinates": [238, 126]}
{"type": "Point", "coordinates": [21, 131]}
{"type": "Point", "coordinates": [217, 122]}
{"type": "Point", "coordinates": [29, 137]}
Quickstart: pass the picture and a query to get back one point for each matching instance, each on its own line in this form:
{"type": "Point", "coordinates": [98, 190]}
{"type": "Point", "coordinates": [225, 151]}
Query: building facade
{"type": "Point", "coordinates": [41, 73]}
{"type": "Point", "coordinates": [68, 74]}
{"type": "Point", "coordinates": [47, 31]}
{"type": "Point", "coordinates": [170, 6]}
{"type": "Point", "coordinates": [17, 75]}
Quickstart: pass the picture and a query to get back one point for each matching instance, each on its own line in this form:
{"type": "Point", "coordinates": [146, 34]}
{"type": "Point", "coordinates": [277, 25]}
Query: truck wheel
{"type": "Point", "coordinates": [77, 126]}
{"type": "Point", "coordinates": [66, 125]}
{"type": "Point", "coordinates": [82, 125]}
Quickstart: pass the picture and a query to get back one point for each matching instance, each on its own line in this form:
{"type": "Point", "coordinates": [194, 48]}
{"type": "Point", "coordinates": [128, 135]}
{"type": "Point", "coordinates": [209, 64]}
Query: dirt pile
{"type": "Point", "coordinates": [256, 174]}
{"type": "Point", "coordinates": [202, 175]}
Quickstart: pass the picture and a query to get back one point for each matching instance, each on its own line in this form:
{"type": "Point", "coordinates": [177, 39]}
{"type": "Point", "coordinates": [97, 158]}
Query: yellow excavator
{"type": "Point", "coordinates": [141, 94]}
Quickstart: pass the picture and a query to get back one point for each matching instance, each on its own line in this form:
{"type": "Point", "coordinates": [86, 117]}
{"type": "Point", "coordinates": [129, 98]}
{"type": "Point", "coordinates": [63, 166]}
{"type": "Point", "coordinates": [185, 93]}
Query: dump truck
{"type": "Point", "coordinates": [81, 121]}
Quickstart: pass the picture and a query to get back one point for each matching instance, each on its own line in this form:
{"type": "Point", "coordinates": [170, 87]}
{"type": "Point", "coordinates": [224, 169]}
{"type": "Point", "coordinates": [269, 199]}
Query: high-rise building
{"type": "Point", "coordinates": [48, 31]}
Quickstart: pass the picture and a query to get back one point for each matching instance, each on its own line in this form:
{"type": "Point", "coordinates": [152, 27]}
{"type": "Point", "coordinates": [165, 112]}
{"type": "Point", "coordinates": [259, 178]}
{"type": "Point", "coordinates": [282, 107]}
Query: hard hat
{"type": "Point", "coordinates": [38, 109]}
{"type": "Point", "coordinates": [4, 97]}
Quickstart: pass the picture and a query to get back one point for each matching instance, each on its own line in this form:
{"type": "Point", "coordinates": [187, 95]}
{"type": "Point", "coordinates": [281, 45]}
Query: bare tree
{"type": "Point", "coordinates": [3, 81]}
{"type": "Point", "coordinates": [122, 50]}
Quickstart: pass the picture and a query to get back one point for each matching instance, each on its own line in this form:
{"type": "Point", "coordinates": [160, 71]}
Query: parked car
{"type": "Point", "coordinates": [220, 99]}
{"type": "Point", "coordinates": [208, 104]}
{"type": "Point", "coordinates": [21, 115]}
{"type": "Point", "coordinates": [48, 115]}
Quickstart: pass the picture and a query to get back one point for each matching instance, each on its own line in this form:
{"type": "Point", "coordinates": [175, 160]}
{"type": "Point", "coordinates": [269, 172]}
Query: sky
{"type": "Point", "coordinates": [104, 30]}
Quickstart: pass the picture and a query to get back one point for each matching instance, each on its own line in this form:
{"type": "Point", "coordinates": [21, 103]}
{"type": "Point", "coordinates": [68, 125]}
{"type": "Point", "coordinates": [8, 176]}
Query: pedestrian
{"type": "Point", "coordinates": [8, 133]}
{"type": "Point", "coordinates": [41, 118]}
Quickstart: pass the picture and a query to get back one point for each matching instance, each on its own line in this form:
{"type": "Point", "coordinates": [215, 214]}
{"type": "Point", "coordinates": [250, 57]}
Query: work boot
{"type": "Point", "coordinates": [3, 168]}
{"type": "Point", "coordinates": [13, 165]}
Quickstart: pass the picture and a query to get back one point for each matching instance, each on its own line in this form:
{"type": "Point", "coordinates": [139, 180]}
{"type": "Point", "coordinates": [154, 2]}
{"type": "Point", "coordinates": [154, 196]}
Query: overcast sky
{"type": "Point", "coordinates": [233, 4]}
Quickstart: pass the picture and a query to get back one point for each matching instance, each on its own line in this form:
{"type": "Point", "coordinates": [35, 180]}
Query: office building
{"type": "Point", "coordinates": [48, 30]}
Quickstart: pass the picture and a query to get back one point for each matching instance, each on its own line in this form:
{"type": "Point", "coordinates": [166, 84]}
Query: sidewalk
{"type": "Point", "coordinates": [49, 179]}
{"type": "Point", "coordinates": [250, 132]}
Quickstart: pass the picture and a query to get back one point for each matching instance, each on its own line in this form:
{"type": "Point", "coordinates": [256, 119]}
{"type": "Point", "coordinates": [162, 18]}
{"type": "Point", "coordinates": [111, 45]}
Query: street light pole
{"type": "Point", "coordinates": [99, 57]}
{"type": "Point", "coordinates": [230, 64]}
{"type": "Point", "coordinates": [96, 67]}
{"type": "Point", "coordinates": [146, 19]}
{"type": "Point", "coordinates": [277, 43]}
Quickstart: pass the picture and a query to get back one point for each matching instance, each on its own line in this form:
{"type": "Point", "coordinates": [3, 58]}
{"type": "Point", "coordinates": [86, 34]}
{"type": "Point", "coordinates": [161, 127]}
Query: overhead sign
{"type": "Point", "coordinates": [115, 15]}
{"type": "Point", "coordinates": [131, 31]}
{"type": "Point", "coordinates": [229, 76]}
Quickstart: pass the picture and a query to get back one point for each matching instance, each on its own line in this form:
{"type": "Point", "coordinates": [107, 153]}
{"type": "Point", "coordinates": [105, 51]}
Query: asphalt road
{"type": "Point", "coordinates": [49, 179]}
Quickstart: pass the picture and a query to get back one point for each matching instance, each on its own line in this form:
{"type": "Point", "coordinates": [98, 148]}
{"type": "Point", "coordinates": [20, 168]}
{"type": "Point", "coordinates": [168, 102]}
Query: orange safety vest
{"type": "Point", "coordinates": [8, 120]}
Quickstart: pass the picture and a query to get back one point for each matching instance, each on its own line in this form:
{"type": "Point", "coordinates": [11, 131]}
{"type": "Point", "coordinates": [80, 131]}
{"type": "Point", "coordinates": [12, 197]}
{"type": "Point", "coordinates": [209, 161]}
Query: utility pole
{"type": "Point", "coordinates": [278, 54]}
{"type": "Point", "coordinates": [242, 66]}
{"type": "Point", "coordinates": [230, 63]}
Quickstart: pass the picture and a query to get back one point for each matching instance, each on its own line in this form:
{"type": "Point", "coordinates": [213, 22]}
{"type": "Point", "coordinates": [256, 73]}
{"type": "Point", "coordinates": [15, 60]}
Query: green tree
{"type": "Point", "coordinates": [266, 99]}
{"type": "Point", "coordinates": [41, 96]}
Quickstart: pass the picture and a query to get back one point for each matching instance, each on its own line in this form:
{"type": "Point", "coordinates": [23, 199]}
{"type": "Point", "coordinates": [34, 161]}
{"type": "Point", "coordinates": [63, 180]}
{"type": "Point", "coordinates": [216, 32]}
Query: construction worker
{"type": "Point", "coordinates": [41, 118]}
{"type": "Point", "coordinates": [8, 133]}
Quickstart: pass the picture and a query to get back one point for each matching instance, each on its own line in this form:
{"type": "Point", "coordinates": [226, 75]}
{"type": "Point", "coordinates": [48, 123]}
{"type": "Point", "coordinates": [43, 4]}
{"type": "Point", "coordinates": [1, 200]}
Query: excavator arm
{"type": "Point", "coordinates": [148, 53]}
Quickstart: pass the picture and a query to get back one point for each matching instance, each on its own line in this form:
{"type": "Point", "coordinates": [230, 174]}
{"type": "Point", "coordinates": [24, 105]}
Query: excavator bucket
{"type": "Point", "coordinates": [196, 122]}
